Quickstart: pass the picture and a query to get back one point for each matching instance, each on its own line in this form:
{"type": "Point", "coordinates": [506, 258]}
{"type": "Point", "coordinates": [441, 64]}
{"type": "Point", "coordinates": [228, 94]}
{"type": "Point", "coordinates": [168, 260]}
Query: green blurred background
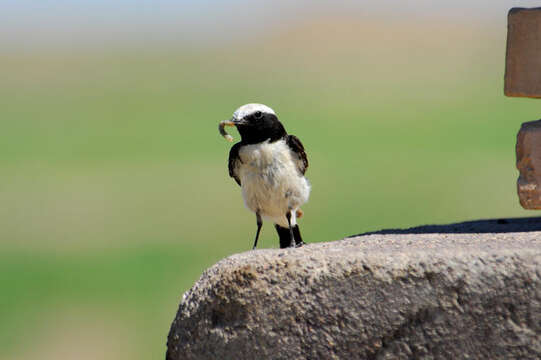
{"type": "Point", "coordinates": [113, 178]}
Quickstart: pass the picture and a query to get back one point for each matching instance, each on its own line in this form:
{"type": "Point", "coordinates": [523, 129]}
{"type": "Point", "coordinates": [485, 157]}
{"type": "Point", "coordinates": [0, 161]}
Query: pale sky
{"type": "Point", "coordinates": [77, 22]}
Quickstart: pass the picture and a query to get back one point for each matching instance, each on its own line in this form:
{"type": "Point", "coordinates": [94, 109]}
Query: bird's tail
{"type": "Point", "coordinates": [285, 240]}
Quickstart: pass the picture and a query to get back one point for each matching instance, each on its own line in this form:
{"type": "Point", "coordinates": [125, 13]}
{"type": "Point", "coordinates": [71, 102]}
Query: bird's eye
{"type": "Point", "coordinates": [258, 114]}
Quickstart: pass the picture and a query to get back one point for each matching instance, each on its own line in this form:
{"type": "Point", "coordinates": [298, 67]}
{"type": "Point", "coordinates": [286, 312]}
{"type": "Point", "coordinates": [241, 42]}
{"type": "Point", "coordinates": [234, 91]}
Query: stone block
{"type": "Point", "coordinates": [529, 165]}
{"type": "Point", "coordinates": [462, 291]}
{"type": "Point", "coordinates": [523, 59]}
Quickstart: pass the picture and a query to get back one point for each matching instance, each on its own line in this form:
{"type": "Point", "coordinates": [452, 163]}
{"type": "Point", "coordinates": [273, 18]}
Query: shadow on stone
{"type": "Point", "coordinates": [470, 227]}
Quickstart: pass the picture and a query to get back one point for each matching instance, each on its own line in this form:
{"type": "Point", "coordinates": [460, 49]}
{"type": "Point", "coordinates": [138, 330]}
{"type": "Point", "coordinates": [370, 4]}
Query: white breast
{"type": "Point", "coordinates": [271, 183]}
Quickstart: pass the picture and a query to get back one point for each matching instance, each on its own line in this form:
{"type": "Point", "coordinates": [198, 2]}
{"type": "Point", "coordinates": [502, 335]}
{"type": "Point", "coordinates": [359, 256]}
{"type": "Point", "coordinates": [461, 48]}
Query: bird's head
{"type": "Point", "coordinates": [255, 123]}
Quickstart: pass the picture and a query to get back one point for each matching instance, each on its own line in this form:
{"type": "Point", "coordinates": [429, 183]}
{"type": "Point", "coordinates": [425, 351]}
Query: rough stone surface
{"type": "Point", "coordinates": [437, 292]}
{"type": "Point", "coordinates": [523, 59]}
{"type": "Point", "coordinates": [529, 165]}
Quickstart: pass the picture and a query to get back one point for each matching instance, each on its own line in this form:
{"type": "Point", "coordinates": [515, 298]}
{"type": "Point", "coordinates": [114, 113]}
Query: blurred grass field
{"type": "Point", "coordinates": [114, 184]}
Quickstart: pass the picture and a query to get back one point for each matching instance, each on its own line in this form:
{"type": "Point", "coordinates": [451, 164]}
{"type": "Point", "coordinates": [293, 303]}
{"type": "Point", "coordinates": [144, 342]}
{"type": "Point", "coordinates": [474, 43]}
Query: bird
{"type": "Point", "coordinates": [269, 165]}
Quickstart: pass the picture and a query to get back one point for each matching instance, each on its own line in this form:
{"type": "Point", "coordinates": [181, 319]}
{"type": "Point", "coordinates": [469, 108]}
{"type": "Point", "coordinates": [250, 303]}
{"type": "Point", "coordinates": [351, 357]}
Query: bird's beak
{"type": "Point", "coordinates": [221, 128]}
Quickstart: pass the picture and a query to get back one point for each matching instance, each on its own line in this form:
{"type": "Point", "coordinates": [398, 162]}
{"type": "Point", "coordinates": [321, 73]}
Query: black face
{"type": "Point", "coordinates": [259, 126]}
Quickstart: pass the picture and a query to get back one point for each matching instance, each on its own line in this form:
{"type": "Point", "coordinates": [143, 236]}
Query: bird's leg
{"type": "Point", "coordinates": [298, 238]}
{"type": "Point", "coordinates": [259, 224]}
{"type": "Point", "coordinates": [288, 216]}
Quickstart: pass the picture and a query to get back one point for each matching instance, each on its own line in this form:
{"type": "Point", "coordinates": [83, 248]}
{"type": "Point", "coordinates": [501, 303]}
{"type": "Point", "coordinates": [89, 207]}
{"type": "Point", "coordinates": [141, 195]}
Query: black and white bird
{"type": "Point", "coordinates": [269, 165]}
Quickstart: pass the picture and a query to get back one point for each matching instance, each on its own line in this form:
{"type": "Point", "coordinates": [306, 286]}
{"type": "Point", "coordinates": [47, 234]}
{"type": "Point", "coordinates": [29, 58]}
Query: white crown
{"type": "Point", "coordinates": [248, 109]}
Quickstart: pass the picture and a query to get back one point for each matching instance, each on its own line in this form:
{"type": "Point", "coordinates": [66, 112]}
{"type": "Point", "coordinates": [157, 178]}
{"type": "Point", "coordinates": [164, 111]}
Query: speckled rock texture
{"type": "Point", "coordinates": [461, 291]}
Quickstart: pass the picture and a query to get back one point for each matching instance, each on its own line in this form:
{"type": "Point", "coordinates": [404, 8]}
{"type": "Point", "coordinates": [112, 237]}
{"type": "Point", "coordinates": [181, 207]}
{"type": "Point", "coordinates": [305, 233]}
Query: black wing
{"type": "Point", "coordinates": [296, 147]}
{"type": "Point", "coordinates": [234, 160]}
